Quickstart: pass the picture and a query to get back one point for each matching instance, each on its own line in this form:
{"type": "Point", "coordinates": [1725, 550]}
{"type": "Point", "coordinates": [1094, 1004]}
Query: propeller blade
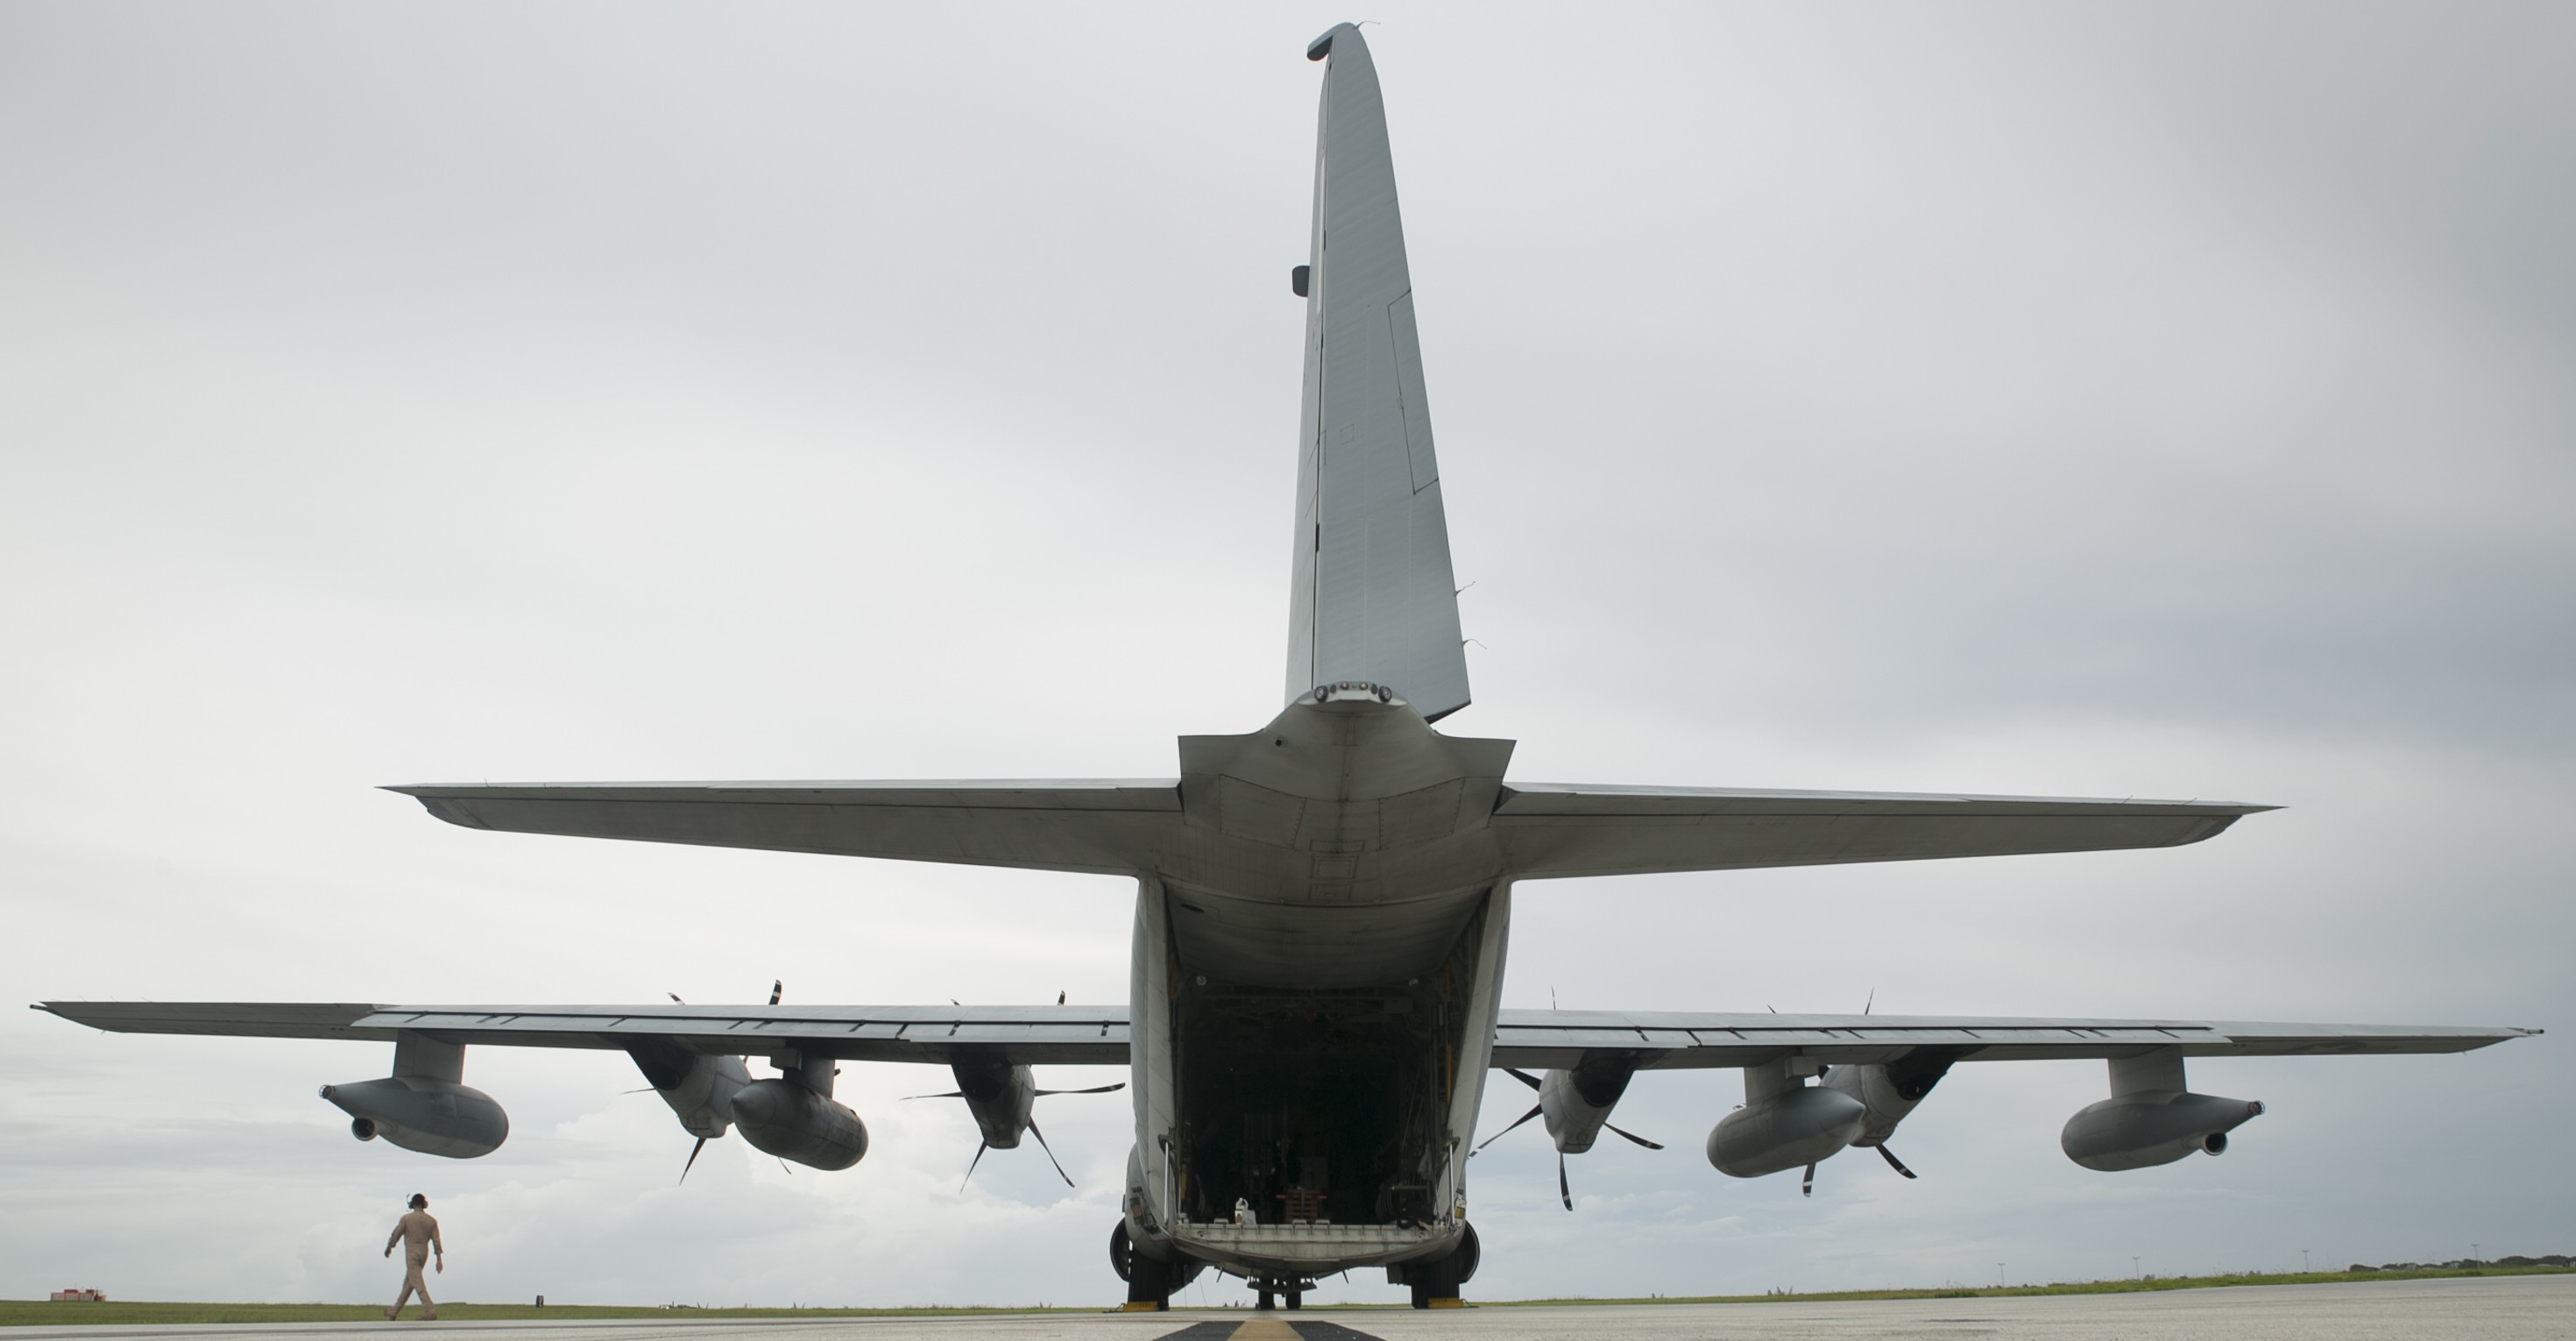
{"type": "Point", "coordinates": [675, 997]}
{"type": "Point", "coordinates": [777, 989]}
{"type": "Point", "coordinates": [980, 1148]}
{"type": "Point", "coordinates": [1563, 1192]}
{"type": "Point", "coordinates": [1807, 1185]}
{"type": "Point", "coordinates": [1096, 1089]}
{"type": "Point", "coordinates": [1893, 1162]}
{"type": "Point", "coordinates": [1050, 1154]}
{"type": "Point", "coordinates": [948, 1094]}
{"type": "Point", "coordinates": [1059, 998]}
{"type": "Point", "coordinates": [1508, 1130]}
{"type": "Point", "coordinates": [1522, 1076]}
{"type": "Point", "coordinates": [1650, 1145]}
{"type": "Point", "coordinates": [693, 1159]}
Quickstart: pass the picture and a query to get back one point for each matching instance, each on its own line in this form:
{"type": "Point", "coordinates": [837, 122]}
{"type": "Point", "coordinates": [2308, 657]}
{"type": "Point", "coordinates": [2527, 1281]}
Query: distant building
{"type": "Point", "coordinates": [80, 1296]}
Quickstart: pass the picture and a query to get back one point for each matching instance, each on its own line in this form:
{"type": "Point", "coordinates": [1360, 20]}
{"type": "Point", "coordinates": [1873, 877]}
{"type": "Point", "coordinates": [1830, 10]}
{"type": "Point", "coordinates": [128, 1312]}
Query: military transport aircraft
{"type": "Point", "coordinates": [1322, 907]}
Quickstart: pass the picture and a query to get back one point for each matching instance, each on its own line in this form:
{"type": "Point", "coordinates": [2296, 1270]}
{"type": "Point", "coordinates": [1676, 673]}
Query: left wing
{"type": "Point", "coordinates": [1562, 1038]}
{"type": "Point", "coordinates": [1019, 1035]}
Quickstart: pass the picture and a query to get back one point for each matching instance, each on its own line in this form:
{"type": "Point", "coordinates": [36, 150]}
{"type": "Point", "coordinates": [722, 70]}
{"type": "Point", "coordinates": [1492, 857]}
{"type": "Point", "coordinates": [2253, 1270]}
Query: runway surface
{"type": "Point", "coordinates": [2507, 1308]}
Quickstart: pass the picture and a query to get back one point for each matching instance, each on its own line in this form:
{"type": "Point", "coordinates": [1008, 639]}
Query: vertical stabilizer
{"type": "Point", "coordinates": [1374, 597]}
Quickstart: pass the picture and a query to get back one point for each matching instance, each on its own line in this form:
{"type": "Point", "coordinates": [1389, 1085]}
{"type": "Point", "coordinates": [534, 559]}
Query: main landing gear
{"type": "Point", "coordinates": [1150, 1284]}
{"type": "Point", "coordinates": [1436, 1284]}
{"type": "Point", "coordinates": [1289, 1290]}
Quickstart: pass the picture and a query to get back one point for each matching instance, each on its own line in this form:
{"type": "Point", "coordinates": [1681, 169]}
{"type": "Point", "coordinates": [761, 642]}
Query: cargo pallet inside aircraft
{"type": "Point", "coordinates": [1322, 907]}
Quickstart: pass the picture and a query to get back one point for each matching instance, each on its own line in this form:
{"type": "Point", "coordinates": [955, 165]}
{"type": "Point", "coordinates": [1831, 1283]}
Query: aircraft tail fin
{"type": "Point", "coordinates": [1374, 599]}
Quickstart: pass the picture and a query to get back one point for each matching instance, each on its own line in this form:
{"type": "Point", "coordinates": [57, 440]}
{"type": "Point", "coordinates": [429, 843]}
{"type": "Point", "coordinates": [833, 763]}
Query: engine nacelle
{"type": "Point", "coordinates": [2142, 1130]}
{"type": "Point", "coordinates": [1576, 1104]}
{"type": "Point", "coordinates": [788, 1119]}
{"type": "Point", "coordinates": [1784, 1123]}
{"type": "Point", "coordinates": [434, 1117]}
{"type": "Point", "coordinates": [998, 1094]}
{"type": "Point", "coordinates": [1890, 1090]}
{"type": "Point", "coordinates": [2152, 1117]}
{"type": "Point", "coordinates": [699, 1088]}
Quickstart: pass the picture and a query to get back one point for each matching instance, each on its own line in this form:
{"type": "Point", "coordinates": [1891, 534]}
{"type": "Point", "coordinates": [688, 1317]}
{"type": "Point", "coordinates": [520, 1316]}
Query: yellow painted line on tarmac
{"type": "Point", "coordinates": [1265, 1329]}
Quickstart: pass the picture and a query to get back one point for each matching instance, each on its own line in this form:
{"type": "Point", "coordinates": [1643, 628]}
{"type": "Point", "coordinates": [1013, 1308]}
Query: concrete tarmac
{"type": "Point", "coordinates": [2507, 1308]}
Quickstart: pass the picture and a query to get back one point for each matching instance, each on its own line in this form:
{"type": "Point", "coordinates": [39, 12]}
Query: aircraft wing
{"type": "Point", "coordinates": [1559, 1038]}
{"type": "Point", "coordinates": [1097, 1035]}
{"type": "Point", "coordinates": [1554, 829]}
{"type": "Point", "coordinates": [1102, 826]}
{"type": "Point", "coordinates": [1033, 1035]}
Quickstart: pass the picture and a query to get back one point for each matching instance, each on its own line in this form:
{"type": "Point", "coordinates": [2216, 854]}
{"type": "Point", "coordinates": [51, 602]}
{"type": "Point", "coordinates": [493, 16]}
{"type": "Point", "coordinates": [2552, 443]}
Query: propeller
{"type": "Point", "coordinates": [1807, 1184]}
{"type": "Point", "coordinates": [1564, 1191]}
{"type": "Point", "coordinates": [1893, 1162]}
{"type": "Point", "coordinates": [1050, 1154]}
{"type": "Point", "coordinates": [693, 1159]}
{"type": "Point", "coordinates": [982, 1146]}
{"type": "Point", "coordinates": [777, 989]}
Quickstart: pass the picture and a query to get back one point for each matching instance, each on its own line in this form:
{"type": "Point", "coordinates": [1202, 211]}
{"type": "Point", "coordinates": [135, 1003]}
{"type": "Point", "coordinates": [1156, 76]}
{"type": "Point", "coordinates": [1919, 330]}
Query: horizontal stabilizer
{"type": "Point", "coordinates": [1555, 829]}
{"type": "Point", "coordinates": [1100, 826]}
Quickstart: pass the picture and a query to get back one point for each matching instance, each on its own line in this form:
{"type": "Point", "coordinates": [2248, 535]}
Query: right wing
{"type": "Point", "coordinates": [1553, 829]}
{"type": "Point", "coordinates": [1098, 826]}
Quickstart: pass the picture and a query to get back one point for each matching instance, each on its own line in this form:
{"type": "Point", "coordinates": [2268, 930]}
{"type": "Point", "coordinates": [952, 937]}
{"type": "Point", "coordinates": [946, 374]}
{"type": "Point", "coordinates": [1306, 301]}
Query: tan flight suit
{"type": "Point", "coordinates": [417, 1232]}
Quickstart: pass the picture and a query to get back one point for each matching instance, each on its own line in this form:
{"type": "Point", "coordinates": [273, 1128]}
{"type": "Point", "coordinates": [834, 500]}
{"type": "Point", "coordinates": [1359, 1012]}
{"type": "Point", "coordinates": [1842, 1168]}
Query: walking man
{"type": "Point", "coordinates": [417, 1232]}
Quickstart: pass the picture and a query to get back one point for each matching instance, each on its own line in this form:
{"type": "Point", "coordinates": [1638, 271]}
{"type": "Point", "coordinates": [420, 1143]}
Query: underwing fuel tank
{"type": "Point", "coordinates": [425, 1104]}
{"type": "Point", "coordinates": [2140, 1131]}
{"type": "Point", "coordinates": [2151, 1118]}
{"type": "Point", "coordinates": [787, 1118]}
{"type": "Point", "coordinates": [1783, 1124]}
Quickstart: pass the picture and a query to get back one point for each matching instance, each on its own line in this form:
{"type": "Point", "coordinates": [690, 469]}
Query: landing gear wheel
{"type": "Point", "coordinates": [1435, 1284]}
{"type": "Point", "coordinates": [1296, 1298]}
{"type": "Point", "coordinates": [1149, 1283]}
{"type": "Point", "coordinates": [1261, 1302]}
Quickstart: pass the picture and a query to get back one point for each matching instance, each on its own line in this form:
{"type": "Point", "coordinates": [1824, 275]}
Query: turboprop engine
{"type": "Point", "coordinates": [2151, 1117]}
{"type": "Point", "coordinates": [1785, 1122]}
{"type": "Point", "coordinates": [1002, 1096]}
{"type": "Point", "coordinates": [1577, 1106]}
{"type": "Point", "coordinates": [424, 1105]}
{"type": "Point", "coordinates": [1888, 1092]}
{"type": "Point", "coordinates": [698, 1087]}
{"type": "Point", "coordinates": [793, 1116]}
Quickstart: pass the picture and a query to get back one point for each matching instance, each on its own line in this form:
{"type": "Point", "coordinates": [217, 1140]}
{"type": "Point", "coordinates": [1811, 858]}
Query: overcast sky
{"type": "Point", "coordinates": [2159, 400]}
